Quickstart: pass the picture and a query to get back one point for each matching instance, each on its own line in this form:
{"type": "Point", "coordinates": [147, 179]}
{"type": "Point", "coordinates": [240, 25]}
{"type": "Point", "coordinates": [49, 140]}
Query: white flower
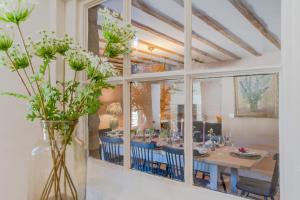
{"type": "Point", "coordinates": [102, 65]}
{"type": "Point", "coordinates": [117, 34]}
{"type": "Point", "coordinates": [16, 11]}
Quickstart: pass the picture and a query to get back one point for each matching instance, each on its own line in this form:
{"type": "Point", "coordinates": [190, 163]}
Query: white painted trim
{"type": "Point", "coordinates": [289, 107]}
{"type": "Point", "coordinates": [214, 73]}
{"type": "Point", "coordinates": [188, 102]}
{"type": "Point", "coordinates": [126, 92]}
{"type": "Point", "coordinates": [155, 76]}
{"type": "Point", "coordinates": [188, 74]}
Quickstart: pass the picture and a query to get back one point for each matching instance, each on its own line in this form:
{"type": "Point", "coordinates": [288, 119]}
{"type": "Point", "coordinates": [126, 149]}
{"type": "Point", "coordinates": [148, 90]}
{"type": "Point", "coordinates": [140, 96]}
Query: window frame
{"type": "Point", "coordinates": [188, 74]}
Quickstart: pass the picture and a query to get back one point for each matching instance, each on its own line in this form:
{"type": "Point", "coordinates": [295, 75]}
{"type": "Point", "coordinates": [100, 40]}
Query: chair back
{"type": "Point", "coordinates": [142, 156]}
{"type": "Point", "coordinates": [275, 177]}
{"type": "Point", "coordinates": [175, 161]}
{"type": "Point", "coordinates": [111, 148]}
{"type": "Point", "coordinates": [103, 132]}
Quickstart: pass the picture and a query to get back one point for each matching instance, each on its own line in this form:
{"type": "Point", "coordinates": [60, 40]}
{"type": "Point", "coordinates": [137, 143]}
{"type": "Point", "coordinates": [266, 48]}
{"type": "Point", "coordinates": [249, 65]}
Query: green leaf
{"type": "Point", "coordinates": [18, 96]}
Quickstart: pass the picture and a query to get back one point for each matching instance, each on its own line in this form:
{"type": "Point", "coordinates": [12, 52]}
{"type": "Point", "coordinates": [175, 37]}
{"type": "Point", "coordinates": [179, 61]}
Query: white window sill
{"type": "Point", "coordinates": [111, 182]}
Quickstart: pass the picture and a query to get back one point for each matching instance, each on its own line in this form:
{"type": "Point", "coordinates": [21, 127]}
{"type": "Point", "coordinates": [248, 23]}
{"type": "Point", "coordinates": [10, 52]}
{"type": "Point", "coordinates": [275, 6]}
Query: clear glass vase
{"type": "Point", "coordinates": [58, 163]}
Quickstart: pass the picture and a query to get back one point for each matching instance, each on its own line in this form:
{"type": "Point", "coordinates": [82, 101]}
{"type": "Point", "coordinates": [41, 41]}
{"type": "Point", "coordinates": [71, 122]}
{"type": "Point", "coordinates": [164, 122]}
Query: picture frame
{"type": "Point", "coordinates": [256, 96]}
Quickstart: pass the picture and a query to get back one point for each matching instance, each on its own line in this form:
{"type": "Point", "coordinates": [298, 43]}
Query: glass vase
{"type": "Point", "coordinates": [58, 163]}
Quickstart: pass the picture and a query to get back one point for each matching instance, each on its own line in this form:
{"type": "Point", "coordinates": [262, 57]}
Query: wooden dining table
{"type": "Point", "coordinates": [216, 162]}
{"type": "Point", "coordinates": [221, 158]}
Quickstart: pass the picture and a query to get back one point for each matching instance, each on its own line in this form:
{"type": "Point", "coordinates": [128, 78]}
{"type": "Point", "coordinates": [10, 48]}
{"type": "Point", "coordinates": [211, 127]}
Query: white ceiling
{"type": "Point", "coordinates": [220, 10]}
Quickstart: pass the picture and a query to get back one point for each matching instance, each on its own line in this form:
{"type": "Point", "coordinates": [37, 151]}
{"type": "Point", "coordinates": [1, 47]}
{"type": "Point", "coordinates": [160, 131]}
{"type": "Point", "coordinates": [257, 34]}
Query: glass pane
{"type": "Point", "coordinates": [96, 43]}
{"type": "Point", "coordinates": [235, 131]}
{"type": "Point", "coordinates": [225, 32]}
{"type": "Point", "coordinates": [106, 127]}
{"type": "Point", "coordinates": [157, 115]}
{"type": "Point", "coordinates": [159, 43]}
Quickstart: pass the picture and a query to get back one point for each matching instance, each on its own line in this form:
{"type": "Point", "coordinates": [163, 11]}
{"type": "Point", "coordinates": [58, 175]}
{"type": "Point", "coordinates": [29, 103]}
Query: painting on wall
{"type": "Point", "coordinates": [256, 96]}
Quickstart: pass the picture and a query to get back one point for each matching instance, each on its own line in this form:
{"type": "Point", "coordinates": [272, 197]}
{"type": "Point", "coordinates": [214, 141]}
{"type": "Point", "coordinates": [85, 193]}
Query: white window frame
{"type": "Point", "coordinates": [79, 9]}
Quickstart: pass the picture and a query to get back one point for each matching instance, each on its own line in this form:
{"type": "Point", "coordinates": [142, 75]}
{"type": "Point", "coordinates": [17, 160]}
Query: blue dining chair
{"type": "Point", "coordinates": [175, 161]}
{"type": "Point", "coordinates": [142, 156]}
{"type": "Point", "coordinates": [111, 148]}
{"type": "Point", "coordinates": [102, 133]}
{"type": "Point", "coordinates": [261, 188]}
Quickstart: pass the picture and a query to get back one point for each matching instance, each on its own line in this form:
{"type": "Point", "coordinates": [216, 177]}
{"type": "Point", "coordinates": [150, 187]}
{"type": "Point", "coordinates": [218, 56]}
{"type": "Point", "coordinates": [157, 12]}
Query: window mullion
{"type": "Point", "coordinates": [126, 91]}
{"type": "Point", "coordinates": [188, 136]}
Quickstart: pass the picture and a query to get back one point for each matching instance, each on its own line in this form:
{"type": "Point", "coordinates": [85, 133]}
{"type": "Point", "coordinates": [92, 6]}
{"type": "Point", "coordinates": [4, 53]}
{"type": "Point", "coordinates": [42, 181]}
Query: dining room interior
{"type": "Point", "coordinates": [165, 99]}
{"type": "Point", "coordinates": [232, 115]}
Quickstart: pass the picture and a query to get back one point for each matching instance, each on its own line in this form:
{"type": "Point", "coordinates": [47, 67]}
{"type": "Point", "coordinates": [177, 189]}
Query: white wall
{"type": "Point", "coordinates": [218, 98]}
{"type": "Point", "coordinates": [17, 136]}
{"type": "Point", "coordinates": [247, 131]}
{"type": "Point", "coordinates": [289, 102]}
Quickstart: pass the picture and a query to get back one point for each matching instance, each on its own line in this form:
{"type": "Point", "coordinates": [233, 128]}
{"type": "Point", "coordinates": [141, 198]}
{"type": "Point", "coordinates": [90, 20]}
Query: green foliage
{"type": "Point", "coordinates": [67, 99]}
{"type": "Point", "coordinates": [42, 70]}
{"type": "Point", "coordinates": [165, 133]}
{"type": "Point", "coordinates": [19, 59]}
{"type": "Point", "coordinates": [118, 36]}
{"type": "Point", "coordinates": [46, 47]}
{"type": "Point", "coordinates": [16, 95]}
{"type": "Point", "coordinates": [51, 96]}
{"type": "Point", "coordinates": [15, 11]}
{"type": "Point", "coordinates": [253, 89]}
{"type": "Point", "coordinates": [5, 41]}
{"type": "Point", "coordinates": [78, 60]}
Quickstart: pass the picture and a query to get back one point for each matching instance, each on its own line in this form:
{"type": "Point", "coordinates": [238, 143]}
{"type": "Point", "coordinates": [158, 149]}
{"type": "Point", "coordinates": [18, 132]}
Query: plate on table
{"type": "Point", "coordinates": [200, 152]}
{"type": "Point", "coordinates": [246, 155]}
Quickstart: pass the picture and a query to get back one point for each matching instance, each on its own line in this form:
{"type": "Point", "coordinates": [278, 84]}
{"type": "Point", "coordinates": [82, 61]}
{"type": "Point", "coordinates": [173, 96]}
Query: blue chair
{"type": "Point", "coordinates": [175, 161]}
{"type": "Point", "coordinates": [102, 133]}
{"type": "Point", "coordinates": [111, 148]}
{"type": "Point", "coordinates": [142, 157]}
{"type": "Point", "coordinates": [261, 188]}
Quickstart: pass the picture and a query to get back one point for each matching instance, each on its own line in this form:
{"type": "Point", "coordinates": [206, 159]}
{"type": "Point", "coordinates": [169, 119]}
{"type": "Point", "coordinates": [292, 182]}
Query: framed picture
{"type": "Point", "coordinates": [256, 96]}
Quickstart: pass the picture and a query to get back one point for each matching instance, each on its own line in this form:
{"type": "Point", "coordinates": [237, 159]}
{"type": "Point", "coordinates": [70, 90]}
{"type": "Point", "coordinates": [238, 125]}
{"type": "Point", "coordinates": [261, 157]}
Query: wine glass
{"type": "Point", "coordinates": [228, 140]}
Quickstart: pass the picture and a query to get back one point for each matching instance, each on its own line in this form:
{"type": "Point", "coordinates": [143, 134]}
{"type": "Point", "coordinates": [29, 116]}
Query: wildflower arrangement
{"type": "Point", "coordinates": [65, 100]}
{"type": "Point", "coordinates": [118, 34]}
{"type": "Point", "coordinates": [46, 101]}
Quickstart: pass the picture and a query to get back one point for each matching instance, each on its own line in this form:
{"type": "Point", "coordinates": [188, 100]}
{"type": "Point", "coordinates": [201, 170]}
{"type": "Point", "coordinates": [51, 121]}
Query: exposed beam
{"type": "Point", "coordinates": [221, 29]}
{"type": "Point", "coordinates": [161, 48]}
{"type": "Point", "coordinates": [157, 55]}
{"type": "Point", "coordinates": [168, 20]}
{"type": "Point", "coordinates": [120, 60]}
{"type": "Point", "coordinates": [255, 20]}
{"type": "Point", "coordinates": [142, 60]}
{"type": "Point", "coordinates": [152, 54]}
{"type": "Point", "coordinates": [170, 39]}
{"type": "Point", "coordinates": [167, 50]}
{"type": "Point", "coordinates": [149, 60]}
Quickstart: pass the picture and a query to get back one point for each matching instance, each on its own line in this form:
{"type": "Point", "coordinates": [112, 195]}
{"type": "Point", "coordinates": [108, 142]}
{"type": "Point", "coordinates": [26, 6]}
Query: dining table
{"type": "Point", "coordinates": [214, 162]}
{"type": "Point", "coordinates": [221, 158]}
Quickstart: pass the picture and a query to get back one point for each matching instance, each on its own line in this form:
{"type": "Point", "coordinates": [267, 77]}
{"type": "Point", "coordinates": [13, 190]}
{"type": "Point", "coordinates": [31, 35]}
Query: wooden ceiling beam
{"type": "Point", "coordinates": [221, 29]}
{"type": "Point", "coordinates": [157, 56]}
{"type": "Point", "coordinates": [167, 50]}
{"type": "Point", "coordinates": [177, 25]}
{"type": "Point", "coordinates": [149, 60]}
{"type": "Point", "coordinates": [144, 42]}
{"type": "Point", "coordinates": [152, 54]}
{"type": "Point", "coordinates": [137, 59]}
{"type": "Point", "coordinates": [255, 20]}
{"type": "Point", "coordinates": [168, 38]}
